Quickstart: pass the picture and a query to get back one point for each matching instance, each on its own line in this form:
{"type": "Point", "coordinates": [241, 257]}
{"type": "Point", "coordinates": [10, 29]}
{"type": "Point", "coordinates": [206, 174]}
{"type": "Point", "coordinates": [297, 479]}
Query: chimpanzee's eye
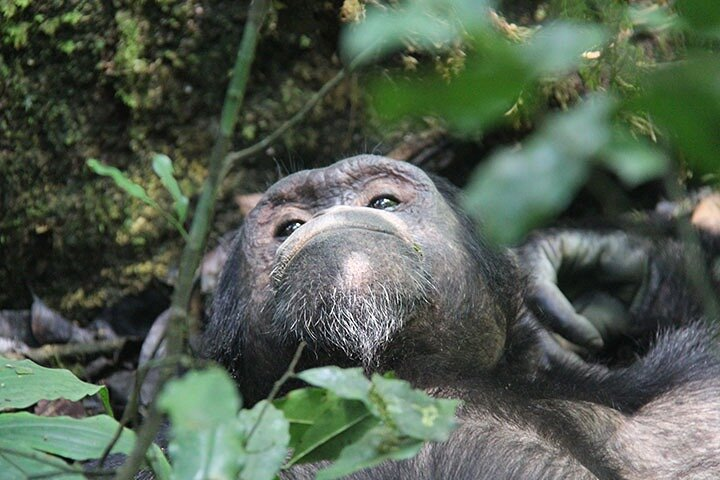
{"type": "Point", "coordinates": [384, 202]}
{"type": "Point", "coordinates": [284, 230]}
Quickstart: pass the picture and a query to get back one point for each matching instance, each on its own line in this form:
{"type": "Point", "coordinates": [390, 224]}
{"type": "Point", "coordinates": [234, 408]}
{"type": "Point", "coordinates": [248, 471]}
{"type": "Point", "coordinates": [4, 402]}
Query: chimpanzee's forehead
{"type": "Point", "coordinates": [342, 174]}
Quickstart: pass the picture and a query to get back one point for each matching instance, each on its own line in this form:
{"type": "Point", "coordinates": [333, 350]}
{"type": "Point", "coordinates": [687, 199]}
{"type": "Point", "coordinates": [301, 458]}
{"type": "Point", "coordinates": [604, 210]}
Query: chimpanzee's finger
{"type": "Point", "coordinates": [556, 311]}
{"type": "Point", "coordinates": [606, 312]}
{"type": "Point", "coordinates": [554, 353]}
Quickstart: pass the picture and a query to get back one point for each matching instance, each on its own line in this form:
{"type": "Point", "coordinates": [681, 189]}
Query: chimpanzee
{"type": "Point", "coordinates": [372, 263]}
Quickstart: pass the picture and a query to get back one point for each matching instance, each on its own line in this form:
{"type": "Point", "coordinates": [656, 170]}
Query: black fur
{"type": "Point", "coordinates": [521, 417]}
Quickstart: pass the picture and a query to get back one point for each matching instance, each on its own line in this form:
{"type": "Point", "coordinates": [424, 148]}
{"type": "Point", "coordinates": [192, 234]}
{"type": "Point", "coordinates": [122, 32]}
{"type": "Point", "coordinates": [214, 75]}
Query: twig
{"type": "Point", "coordinates": [233, 157]}
{"type": "Point", "coordinates": [130, 408]}
{"type": "Point", "coordinates": [46, 353]}
{"type": "Point", "coordinates": [140, 375]}
{"type": "Point", "coordinates": [278, 385]}
{"type": "Point", "coordinates": [202, 220]}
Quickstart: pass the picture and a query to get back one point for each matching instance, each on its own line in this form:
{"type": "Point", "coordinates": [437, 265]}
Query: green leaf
{"type": "Point", "coordinates": [267, 437]}
{"type": "Point", "coordinates": [684, 100]}
{"type": "Point", "coordinates": [73, 438]}
{"type": "Point", "coordinates": [701, 15]}
{"type": "Point", "coordinates": [558, 47]}
{"type": "Point", "coordinates": [322, 424]}
{"type": "Point", "coordinates": [349, 383]}
{"type": "Point", "coordinates": [23, 383]}
{"type": "Point", "coordinates": [518, 189]}
{"type": "Point", "coordinates": [301, 407]}
{"type": "Point", "coordinates": [377, 445]}
{"type": "Point", "coordinates": [633, 161]}
{"type": "Point", "coordinates": [18, 462]}
{"type": "Point", "coordinates": [163, 167]}
{"type": "Point", "coordinates": [213, 390]}
{"type": "Point", "coordinates": [206, 437]}
{"type": "Point", "coordinates": [478, 97]}
{"type": "Point", "coordinates": [426, 24]}
{"type": "Point", "coordinates": [211, 452]}
{"type": "Point", "coordinates": [122, 181]}
{"type": "Point", "coordinates": [339, 423]}
{"type": "Point", "coordinates": [413, 412]}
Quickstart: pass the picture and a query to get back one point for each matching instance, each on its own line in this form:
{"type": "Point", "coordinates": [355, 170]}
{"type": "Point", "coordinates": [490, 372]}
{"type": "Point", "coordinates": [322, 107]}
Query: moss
{"type": "Point", "coordinates": [118, 81]}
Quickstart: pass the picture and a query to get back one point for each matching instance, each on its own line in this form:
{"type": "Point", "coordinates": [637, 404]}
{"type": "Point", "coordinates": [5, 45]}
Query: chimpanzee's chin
{"type": "Point", "coordinates": [358, 324]}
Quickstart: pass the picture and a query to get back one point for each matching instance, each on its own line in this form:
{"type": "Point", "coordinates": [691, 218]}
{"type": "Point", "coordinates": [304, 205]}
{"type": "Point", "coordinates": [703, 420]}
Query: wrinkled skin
{"type": "Point", "coordinates": [371, 263]}
{"type": "Point", "coordinates": [360, 284]}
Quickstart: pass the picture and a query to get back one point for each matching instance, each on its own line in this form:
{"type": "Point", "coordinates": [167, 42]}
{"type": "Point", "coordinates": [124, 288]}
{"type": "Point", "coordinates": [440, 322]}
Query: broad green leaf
{"type": "Point", "coordinates": [349, 383]}
{"type": "Point", "coordinates": [377, 445]}
{"type": "Point", "coordinates": [657, 18]}
{"type": "Point", "coordinates": [18, 462]}
{"type": "Point", "coordinates": [633, 161]}
{"type": "Point", "coordinates": [322, 424]}
{"type": "Point", "coordinates": [266, 434]}
{"type": "Point", "coordinates": [206, 440]}
{"type": "Point", "coordinates": [72, 438]}
{"type": "Point", "coordinates": [340, 423]}
{"type": "Point", "coordinates": [516, 190]}
{"type": "Point", "coordinates": [478, 97]}
{"type": "Point", "coordinates": [413, 412]}
{"type": "Point", "coordinates": [121, 180]}
{"type": "Point", "coordinates": [200, 399]}
{"type": "Point", "coordinates": [701, 15]}
{"type": "Point", "coordinates": [425, 24]}
{"type": "Point", "coordinates": [209, 452]}
{"type": "Point", "coordinates": [301, 407]}
{"type": "Point", "coordinates": [684, 100]}
{"type": "Point", "coordinates": [23, 383]}
{"type": "Point", "coordinates": [558, 48]}
{"type": "Point", "coordinates": [163, 167]}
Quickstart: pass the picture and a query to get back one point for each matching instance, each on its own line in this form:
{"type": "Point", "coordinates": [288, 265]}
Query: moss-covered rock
{"type": "Point", "coordinates": [118, 80]}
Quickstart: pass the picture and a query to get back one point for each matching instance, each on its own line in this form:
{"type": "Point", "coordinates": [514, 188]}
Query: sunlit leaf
{"type": "Point", "coordinates": [19, 462]}
{"type": "Point", "coordinates": [340, 423]}
{"type": "Point", "coordinates": [516, 190]}
{"type": "Point", "coordinates": [163, 167]}
{"type": "Point", "coordinates": [413, 412]}
{"type": "Point", "coordinates": [558, 47]}
{"type": "Point", "coordinates": [634, 161]}
{"type": "Point", "coordinates": [478, 97]}
{"type": "Point", "coordinates": [349, 383]}
{"type": "Point", "coordinates": [77, 439]}
{"type": "Point", "coordinates": [73, 438]}
{"type": "Point", "coordinates": [425, 24]}
{"type": "Point", "coordinates": [121, 180]}
{"type": "Point", "coordinates": [23, 383]}
{"type": "Point", "coordinates": [266, 434]}
{"type": "Point", "coordinates": [377, 445]}
{"type": "Point", "coordinates": [206, 437]}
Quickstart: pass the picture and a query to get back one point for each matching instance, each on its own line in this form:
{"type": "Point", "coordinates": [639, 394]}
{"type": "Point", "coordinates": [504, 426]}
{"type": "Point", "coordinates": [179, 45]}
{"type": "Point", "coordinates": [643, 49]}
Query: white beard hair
{"type": "Point", "coordinates": [360, 323]}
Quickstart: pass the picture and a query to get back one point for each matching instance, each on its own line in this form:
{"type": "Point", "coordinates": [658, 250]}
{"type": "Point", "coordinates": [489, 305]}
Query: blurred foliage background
{"type": "Point", "coordinates": [566, 105]}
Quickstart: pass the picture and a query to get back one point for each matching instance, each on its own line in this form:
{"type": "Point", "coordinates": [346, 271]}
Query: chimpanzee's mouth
{"type": "Point", "coordinates": [343, 225]}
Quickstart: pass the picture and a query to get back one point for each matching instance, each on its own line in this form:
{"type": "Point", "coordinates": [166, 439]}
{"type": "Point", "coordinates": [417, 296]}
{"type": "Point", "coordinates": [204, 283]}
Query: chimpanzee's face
{"type": "Point", "coordinates": [346, 256]}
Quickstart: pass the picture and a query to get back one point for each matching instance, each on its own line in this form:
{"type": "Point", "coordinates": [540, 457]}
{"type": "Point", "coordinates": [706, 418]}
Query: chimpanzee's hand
{"type": "Point", "coordinates": [582, 284]}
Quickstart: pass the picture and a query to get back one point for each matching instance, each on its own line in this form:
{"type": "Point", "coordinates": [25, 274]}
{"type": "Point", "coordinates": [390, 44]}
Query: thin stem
{"type": "Point", "coordinates": [233, 157]}
{"type": "Point", "coordinates": [202, 220]}
{"type": "Point", "coordinates": [278, 385]}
